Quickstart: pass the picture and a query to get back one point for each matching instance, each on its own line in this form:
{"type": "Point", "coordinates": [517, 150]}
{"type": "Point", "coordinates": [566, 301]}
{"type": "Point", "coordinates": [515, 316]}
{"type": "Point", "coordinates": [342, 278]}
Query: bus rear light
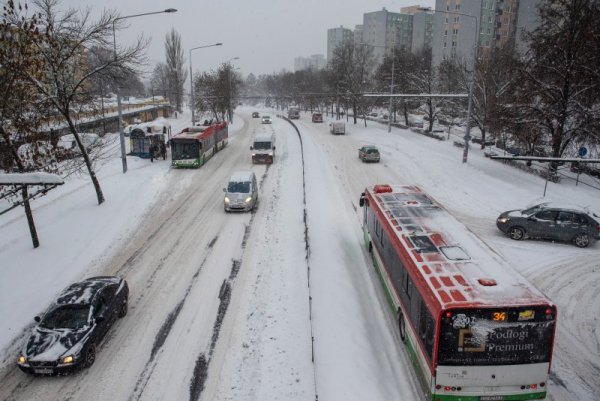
{"type": "Point", "coordinates": [542, 384]}
{"type": "Point", "coordinates": [438, 386]}
{"type": "Point", "coordinates": [459, 388]}
{"type": "Point", "coordinates": [534, 386]}
{"type": "Point", "coordinates": [448, 314]}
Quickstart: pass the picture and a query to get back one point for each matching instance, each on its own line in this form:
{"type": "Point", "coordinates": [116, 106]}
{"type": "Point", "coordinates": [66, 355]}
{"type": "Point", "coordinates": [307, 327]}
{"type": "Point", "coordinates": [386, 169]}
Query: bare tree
{"type": "Point", "coordinates": [70, 37]}
{"type": "Point", "coordinates": [160, 80]}
{"type": "Point", "coordinates": [175, 70]}
{"type": "Point", "coordinates": [20, 105]}
{"type": "Point", "coordinates": [425, 80]}
{"type": "Point", "coordinates": [559, 85]}
{"type": "Point", "coordinates": [349, 75]}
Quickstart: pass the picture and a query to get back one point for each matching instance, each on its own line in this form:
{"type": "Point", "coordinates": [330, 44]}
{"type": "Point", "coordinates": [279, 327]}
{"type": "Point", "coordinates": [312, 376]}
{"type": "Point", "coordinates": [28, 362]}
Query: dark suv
{"type": "Point", "coordinates": [552, 222]}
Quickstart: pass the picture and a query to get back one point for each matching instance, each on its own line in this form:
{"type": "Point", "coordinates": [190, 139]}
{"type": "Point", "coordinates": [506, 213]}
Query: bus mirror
{"type": "Point", "coordinates": [273, 147]}
{"type": "Point", "coordinates": [250, 147]}
{"type": "Point", "coordinates": [361, 201]}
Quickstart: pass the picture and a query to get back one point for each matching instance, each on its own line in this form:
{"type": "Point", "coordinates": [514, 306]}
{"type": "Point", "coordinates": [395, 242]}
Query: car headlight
{"type": "Point", "coordinates": [21, 360]}
{"type": "Point", "coordinates": [248, 199]}
{"type": "Point", "coordinates": [68, 359]}
{"type": "Point", "coordinates": [253, 154]}
{"type": "Point", "coordinates": [226, 200]}
{"type": "Point", "coordinates": [270, 153]}
{"type": "Point", "coordinates": [503, 219]}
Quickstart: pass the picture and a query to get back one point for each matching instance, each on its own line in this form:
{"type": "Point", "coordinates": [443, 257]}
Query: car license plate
{"type": "Point", "coordinates": [43, 371]}
{"type": "Point", "coordinates": [491, 398]}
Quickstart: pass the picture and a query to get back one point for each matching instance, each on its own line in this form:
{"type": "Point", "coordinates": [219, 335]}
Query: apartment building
{"type": "Point", "coordinates": [337, 36]}
{"type": "Point", "coordinates": [488, 24]}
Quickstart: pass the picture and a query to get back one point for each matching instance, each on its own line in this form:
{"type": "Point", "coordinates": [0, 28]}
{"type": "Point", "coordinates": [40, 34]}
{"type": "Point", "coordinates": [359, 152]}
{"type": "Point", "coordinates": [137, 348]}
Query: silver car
{"type": "Point", "coordinates": [241, 193]}
{"type": "Point", "coordinates": [553, 222]}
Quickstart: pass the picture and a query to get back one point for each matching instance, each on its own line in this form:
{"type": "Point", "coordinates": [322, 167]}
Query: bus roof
{"type": "Point", "coordinates": [458, 268]}
{"type": "Point", "coordinates": [199, 132]}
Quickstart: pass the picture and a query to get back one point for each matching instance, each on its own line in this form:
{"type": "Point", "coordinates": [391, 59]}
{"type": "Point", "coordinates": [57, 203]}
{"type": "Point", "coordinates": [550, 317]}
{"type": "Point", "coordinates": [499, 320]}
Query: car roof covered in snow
{"type": "Point", "coordinates": [83, 292]}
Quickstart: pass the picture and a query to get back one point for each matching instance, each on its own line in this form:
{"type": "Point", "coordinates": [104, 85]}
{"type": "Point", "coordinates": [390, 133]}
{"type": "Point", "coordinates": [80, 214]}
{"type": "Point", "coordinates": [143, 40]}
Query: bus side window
{"type": "Point", "coordinates": [426, 329]}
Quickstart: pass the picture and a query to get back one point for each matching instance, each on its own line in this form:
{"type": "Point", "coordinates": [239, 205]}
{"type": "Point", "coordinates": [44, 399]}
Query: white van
{"type": "Point", "coordinates": [241, 193]}
{"type": "Point", "coordinates": [263, 148]}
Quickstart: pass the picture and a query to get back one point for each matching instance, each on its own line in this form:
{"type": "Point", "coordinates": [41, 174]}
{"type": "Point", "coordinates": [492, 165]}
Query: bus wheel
{"type": "Point", "coordinates": [402, 326]}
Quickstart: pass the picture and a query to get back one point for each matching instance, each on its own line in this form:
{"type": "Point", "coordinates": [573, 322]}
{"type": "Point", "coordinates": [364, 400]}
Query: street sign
{"type": "Point", "coordinates": [582, 151]}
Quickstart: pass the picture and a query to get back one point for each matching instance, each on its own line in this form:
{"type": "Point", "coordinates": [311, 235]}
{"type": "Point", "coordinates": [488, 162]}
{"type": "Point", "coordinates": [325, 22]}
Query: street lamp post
{"type": "Point", "coordinates": [120, 121]}
{"type": "Point", "coordinates": [229, 70]}
{"type": "Point", "coordinates": [391, 84]}
{"type": "Point", "coordinates": [192, 78]}
{"type": "Point", "coordinates": [467, 136]}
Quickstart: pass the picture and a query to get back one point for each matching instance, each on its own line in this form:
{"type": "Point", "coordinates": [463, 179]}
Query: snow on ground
{"type": "Point", "coordinates": [264, 349]}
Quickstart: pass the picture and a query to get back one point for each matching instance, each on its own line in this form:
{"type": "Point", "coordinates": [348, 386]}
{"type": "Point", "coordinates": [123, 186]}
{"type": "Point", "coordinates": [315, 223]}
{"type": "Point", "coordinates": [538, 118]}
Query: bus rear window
{"type": "Point", "coordinates": [500, 336]}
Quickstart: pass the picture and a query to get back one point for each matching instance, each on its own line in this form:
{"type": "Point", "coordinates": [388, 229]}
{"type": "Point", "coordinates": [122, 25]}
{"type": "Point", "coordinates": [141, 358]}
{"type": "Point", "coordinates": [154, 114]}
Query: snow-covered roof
{"type": "Point", "coordinates": [38, 178]}
{"type": "Point", "coordinates": [457, 266]}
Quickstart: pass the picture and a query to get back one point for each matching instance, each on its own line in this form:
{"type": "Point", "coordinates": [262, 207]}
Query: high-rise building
{"type": "Point", "coordinates": [358, 35]}
{"type": "Point", "coordinates": [500, 23]}
{"type": "Point", "coordinates": [527, 20]}
{"type": "Point", "coordinates": [337, 36]}
{"type": "Point", "coordinates": [422, 31]}
{"type": "Point", "coordinates": [384, 30]}
{"type": "Point", "coordinates": [455, 36]}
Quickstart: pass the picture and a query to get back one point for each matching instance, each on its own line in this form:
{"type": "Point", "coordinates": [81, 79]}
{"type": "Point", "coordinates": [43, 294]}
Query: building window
{"type": "Point", "coordinates": [445, 45]}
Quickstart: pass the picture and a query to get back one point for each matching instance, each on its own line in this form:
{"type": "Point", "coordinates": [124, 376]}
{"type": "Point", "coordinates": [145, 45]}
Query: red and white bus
{"type": "Point", "coordinates": [474, 328]}
{"type": "Point", "coordinates": [195, 145]}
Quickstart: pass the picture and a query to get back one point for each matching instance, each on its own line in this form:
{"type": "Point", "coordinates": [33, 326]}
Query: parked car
{"type": "Point", "coordinates": [255, 114]}
{"type": "Point", "coordinates": [550, 221]}
{"type": "Point", "coordinates": [317, 118]}
{"type": "Point", "coordinates": [67, 335]}
{"type": "Point", "coordinates": [266, 120]}
{"type": "Point", "coordinates": [368, 153]}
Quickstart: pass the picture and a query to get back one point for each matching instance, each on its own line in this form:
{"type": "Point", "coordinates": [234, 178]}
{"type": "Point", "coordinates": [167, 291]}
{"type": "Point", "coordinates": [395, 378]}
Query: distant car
{"type": "Point", "coordinates": [255, 114]}
{"type": "Point", "coordinates": [266, 120]}
{"type": "Point", "coordinates": [368, 153]}
{"type": "Point", "coordinates": [553, 222]}
{"type": "Point", "coordinates": [67, 335]}
{"type": "Point", "coordinates": [317, 118]}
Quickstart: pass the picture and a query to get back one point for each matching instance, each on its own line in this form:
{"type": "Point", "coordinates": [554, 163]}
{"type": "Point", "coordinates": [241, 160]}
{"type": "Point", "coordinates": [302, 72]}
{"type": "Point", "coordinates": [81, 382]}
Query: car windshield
{"type": "Point", "coordinates": [532, 210]}
{"type": "Point", "coordinates": [66, 317]}
{"type": "Point", "coordinates": [262, 145]}
{"type": "Point", "coordinates": [266, 117]}
{"type": "Point", "coordinates": [372, 151]}
{"type": "Point", "coordinates": [238, 187]}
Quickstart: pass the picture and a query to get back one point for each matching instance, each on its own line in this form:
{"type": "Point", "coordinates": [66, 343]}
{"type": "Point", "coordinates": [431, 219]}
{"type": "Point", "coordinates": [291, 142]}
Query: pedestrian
{"type": "Point", "coordinates": [163, 150]}
{"type": "Point", "coordinates": [152, 153]}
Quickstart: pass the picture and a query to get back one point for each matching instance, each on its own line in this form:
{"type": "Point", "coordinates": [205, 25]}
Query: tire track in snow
{"type": "Point", "coordinates": [165, 330]}
{"type": "Point", "coordinates": [200, 376]}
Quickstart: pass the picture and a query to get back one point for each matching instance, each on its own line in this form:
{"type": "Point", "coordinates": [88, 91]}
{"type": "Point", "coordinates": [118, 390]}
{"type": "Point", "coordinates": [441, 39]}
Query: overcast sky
{"type": "Point", "coordinates": [266, 35]}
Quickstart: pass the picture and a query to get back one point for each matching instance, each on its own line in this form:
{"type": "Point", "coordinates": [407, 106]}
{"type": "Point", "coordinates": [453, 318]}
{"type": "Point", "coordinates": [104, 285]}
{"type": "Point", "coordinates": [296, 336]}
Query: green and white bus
{"type": "Point", "coordinates": [195, 145]}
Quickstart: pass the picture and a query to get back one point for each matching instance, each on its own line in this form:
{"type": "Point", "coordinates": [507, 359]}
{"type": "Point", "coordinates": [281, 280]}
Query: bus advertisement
{"type": "Point", "coordinates": [193, 146]}
{"type": "Point", "coordinates": [474, 328]}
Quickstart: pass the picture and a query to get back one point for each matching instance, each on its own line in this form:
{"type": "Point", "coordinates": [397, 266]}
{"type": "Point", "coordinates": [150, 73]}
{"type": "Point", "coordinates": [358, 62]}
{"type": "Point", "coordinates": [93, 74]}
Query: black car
{"type": "Point", "coordinates": [551, 222]}
{"type": "Point", "coordinates": [68, 333]}
{"type": "Point", "coordinates": [255, 115]}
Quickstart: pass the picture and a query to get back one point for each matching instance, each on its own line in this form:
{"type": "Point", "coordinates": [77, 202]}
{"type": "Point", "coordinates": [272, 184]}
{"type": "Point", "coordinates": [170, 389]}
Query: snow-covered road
{"type": "Point", "coordinates": [282, 303]}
